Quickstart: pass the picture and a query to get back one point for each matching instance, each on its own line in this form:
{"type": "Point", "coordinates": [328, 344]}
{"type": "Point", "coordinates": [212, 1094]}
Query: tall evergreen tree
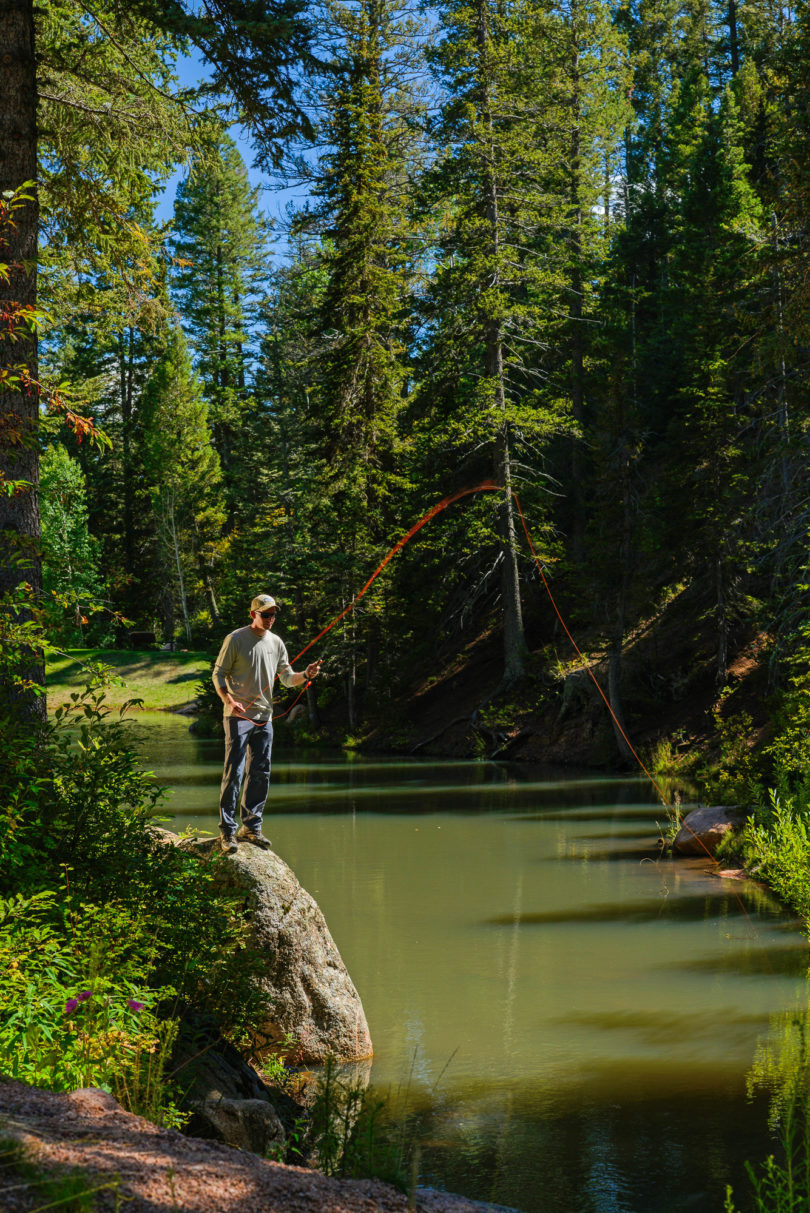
{"type": "Point", "coordinates": [493, 306]}
{"type": "Point", "coordinates": [271, 43]}
{"type": "Point", "coordinates": [360, 362]}
{"type": "Point", "coordinates": [70, 577]}
{"type": "Point", "coordinates": [184, 477]}
{"type": "Point", "coordinates": [221, 252]}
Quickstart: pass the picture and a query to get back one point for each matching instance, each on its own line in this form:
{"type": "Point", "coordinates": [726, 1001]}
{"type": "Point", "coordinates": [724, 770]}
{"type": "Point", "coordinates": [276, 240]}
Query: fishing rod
{"type": "Point", "coordinates": [489, 486]}
{"type": "Point", "coordinates": [485, 486]}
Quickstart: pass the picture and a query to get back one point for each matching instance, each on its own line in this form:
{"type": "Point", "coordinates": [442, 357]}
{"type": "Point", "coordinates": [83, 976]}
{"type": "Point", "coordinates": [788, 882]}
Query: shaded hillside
{"type": "Point", "coordinates": [555, 714]}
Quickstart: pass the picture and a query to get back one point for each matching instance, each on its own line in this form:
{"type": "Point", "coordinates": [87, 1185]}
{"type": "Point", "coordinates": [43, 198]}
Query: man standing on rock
{"type": "Point", "coordinates": [244, 673]}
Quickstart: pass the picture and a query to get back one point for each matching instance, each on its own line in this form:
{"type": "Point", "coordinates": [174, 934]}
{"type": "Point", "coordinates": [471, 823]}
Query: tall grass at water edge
{"type": "Point", "coordinates": [348, 1132]}
{"type": "Point", "coordinates": [782, 1068]}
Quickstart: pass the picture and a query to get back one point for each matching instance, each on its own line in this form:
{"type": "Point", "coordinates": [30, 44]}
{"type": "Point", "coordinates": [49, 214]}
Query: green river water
{"type": "Point", "coordinates": [571, 1021]}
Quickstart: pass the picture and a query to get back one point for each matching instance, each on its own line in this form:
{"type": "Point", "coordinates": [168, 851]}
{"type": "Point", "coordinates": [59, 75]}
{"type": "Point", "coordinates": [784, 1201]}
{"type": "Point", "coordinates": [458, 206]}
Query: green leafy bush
{"type": "Point", "coordinates": [350, 1133]}
{"type": "Point", "coordinates": [735, 779]}
{"type": "Point", "coordinates": [776, 846]}
{"type": "Point", "coordinates": [107, 932]}
{"type": "Point", "coordinates": [75, 1009]}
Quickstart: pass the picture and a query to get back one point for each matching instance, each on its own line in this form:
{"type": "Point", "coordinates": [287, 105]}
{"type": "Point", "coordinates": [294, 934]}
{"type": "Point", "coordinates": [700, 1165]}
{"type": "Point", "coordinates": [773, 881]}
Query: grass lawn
{"type": "Point", "coordinates": [162, 680]}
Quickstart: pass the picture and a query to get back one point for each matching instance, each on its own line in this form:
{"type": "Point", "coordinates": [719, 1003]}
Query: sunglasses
{"type": "Point", "coordinates": [268, 614]}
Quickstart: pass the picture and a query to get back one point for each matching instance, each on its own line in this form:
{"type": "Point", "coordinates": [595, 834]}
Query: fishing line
{"type": "Point", "coordinates": [492, 487]}
{"type": "Point", "coordinates": [486, 486]}
{"type": "Point", "coordinates": [582, 658]}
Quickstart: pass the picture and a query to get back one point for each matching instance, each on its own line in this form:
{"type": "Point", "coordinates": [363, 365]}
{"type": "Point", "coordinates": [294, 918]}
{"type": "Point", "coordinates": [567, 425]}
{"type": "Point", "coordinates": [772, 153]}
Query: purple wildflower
{"type": "Point", "coordinates": [85, 994]}
{"type": "Point", "coordinates": [134, 1005]}
{"type": "Point", "coordinates": [71, 1005]}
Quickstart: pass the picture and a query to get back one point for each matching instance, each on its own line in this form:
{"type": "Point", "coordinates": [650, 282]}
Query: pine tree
{"type": "Point", "coordinates": [184, 475]}
{"type": "Point", "coordinates": [360, 369]}
{"type": "Point", "coordinates": [269, 45]}
{"type": "Point", "coordinates": [220, 248]}
{"type": "Point", "coordinates": [70, 576]}
{"type": "Point", "coordinates": [717, 265]}
{"type": "Point", "coordinates": [587, 71]}
{"type": "Point", "coordinates": [493, 305]}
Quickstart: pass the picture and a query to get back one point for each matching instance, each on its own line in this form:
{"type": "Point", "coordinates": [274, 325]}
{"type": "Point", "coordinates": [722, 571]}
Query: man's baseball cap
{"type": "Point", "coordinates": [263, 602]}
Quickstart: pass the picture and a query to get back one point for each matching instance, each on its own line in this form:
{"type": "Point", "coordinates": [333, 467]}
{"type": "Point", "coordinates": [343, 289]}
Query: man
{"type": "Point", "coordinates": [244, 673]}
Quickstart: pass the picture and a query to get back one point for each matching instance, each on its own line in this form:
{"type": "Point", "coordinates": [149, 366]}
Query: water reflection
{"type": "Point", "coordinates": [572, 1023]}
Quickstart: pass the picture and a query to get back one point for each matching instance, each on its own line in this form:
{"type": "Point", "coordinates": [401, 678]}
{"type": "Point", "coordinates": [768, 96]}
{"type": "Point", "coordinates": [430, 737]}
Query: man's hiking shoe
{"type": "Point", "coordinates": [255, 836]}
{"type": "Point", "coordinates": [227, 844]}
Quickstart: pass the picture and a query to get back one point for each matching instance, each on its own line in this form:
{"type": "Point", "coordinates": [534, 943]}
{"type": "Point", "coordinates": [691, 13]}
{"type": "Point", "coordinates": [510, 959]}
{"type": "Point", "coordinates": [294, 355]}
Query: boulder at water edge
{"type": "Point", "coordinates": [704, 829]}
{"type": "Point", "coordinates": [307, 992]}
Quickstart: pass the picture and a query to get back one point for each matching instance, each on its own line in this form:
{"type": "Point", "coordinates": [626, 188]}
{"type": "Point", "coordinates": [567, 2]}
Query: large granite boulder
{"type": "Point", "coordinates": [307, 992]}
{"type": "Point", "coordinates": [704, 829]}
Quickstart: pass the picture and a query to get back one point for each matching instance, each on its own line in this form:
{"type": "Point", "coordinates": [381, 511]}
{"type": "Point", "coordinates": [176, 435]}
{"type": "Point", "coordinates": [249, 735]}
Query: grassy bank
{"type": "Point", "coordinates": [164, 681]}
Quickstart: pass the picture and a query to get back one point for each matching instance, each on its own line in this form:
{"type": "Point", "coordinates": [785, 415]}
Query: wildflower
{"type": "Point", "coordinates": [134, 1005]}
{"type": "Point", "coordinates": [85, 994]}
{"type": "Point", "coordinates": [71, 1005]}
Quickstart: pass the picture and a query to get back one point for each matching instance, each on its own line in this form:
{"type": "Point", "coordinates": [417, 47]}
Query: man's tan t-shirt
{"type": "Point", "coordinates": [247, 666]}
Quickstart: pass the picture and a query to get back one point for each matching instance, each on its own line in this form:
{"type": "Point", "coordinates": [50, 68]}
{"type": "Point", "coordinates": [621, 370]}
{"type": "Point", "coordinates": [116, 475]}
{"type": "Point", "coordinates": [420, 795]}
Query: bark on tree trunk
{"type": "Point", "coordinates": [351, 671]}
{"type": "Point", "coordinates": [733, 40]}
{"type": "Point", "coordinates": [721, 669]}
{"type": "Point", "coordinates": [575, 313]}
{"type": "Point", "coordinates": [180, 581]}
{"type": "Point", "coordinates": [615, 659]}
{"type": "Point", "coordinates": [19, 405]}
{"type": "Point", "coordinates": [514, 641]}
{"type": "Point", "coordinates": [125, 360]}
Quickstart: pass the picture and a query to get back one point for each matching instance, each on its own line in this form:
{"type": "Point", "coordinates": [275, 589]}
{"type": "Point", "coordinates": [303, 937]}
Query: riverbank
{"type": "Point", "coordinates": [113, 1156]}
{"type": "Point", "coordinates": [164, 682]}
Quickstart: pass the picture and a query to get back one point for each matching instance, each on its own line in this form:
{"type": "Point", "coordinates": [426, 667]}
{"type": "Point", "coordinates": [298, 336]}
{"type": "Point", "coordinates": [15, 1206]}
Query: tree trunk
{"type": "Point", "coordinates": [721, 619]}
{"type": "Point", "coordinates": [180, 582]}
{"type": "Point", "coordinates": [351, 678]}
{"type": "Point", "coordinates": [19, 404]}
{"type": "Point", "coordinates": [733, 40]}
{"type": "Point", "coordinates": [514, 641]}
{"type": "Point", "coordinates": [125, 360]}
{"type": "Point", "coordinates": [617, 643]}
{"type": "Point", "coordinates": [575, 313]}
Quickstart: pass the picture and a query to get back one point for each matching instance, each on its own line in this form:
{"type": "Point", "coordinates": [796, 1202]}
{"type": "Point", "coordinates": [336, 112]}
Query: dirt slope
{"type": "Point", "coordinates": [133, 1165]}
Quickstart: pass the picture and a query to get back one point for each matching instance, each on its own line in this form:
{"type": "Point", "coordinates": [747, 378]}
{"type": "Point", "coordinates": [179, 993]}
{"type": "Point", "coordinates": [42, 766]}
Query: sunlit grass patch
{"type": "Point", "coordinates": [163, 681]}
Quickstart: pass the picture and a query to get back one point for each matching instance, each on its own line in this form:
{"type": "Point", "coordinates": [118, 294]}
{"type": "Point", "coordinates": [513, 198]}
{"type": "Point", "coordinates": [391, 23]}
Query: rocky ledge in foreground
{"type": "Point", "coordinates": [131, 1164]}
{"type": "Point", "coordinates": [306, 990]}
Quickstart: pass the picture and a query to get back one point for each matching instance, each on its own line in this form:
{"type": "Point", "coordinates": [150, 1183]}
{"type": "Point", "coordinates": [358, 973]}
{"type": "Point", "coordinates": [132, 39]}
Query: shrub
{"type": "Point", "coordinates": [107, 933]}
{"type": "Point", "coordinates": [75, 1006]}
{"type": "Point", "coordinates": [775, 845]}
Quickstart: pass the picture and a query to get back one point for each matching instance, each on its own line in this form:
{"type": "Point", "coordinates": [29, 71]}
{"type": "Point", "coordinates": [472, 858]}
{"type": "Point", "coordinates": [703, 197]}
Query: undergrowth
{"type": "Point", "coordinates": [106, 933]}
{"type": "Point", "coordinates": [351, 1133]}
{"type": "Point", "coordinates": [781, 1183]}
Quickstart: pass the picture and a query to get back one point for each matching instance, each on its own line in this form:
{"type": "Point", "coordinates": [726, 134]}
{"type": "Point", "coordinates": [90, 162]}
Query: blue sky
{"type": "Point", "coordinates": [191, 70]}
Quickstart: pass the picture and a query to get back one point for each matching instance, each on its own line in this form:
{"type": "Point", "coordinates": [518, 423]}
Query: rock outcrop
{"type": "Point", "coordinates": [225, 1096]}
{"type": "Point", "coordinates": [306, 991]}
{"type": "Point", "coordinates": [704, 829]}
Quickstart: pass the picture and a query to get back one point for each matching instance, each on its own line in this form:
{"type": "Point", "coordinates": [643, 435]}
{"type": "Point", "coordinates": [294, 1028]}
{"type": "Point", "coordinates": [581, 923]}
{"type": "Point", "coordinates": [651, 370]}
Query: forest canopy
{"type": "Point", "coordinates": [561, 245]}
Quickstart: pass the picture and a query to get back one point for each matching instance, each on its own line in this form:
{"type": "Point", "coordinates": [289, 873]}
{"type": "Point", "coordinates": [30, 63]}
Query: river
{"type": "Point", "coordinates": [570, 1020]}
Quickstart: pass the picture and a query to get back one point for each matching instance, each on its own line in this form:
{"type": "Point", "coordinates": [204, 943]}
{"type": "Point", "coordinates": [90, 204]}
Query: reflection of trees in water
{"type": "Point", "coordinates": [591, 1154]}
{"type": "Point", "coordinates": [782, 1069]}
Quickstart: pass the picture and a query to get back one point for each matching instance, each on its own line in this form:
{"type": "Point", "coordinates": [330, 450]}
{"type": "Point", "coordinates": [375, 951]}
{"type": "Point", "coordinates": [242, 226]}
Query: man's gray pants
{"type": "Point", "coordinates": [247, 753]}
